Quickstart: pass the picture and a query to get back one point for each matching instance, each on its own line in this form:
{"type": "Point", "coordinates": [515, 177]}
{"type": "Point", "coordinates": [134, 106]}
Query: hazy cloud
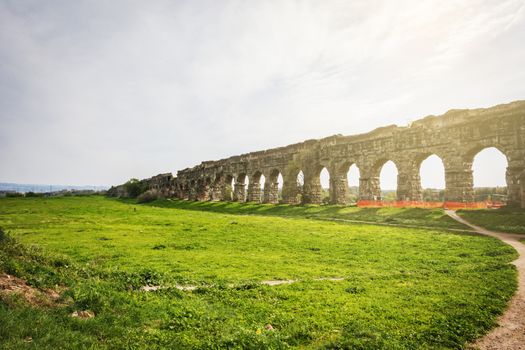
{"type": "Point", "coordinates": [95, 92]}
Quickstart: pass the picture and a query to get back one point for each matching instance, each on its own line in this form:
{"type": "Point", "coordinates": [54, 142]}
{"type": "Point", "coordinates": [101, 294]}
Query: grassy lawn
{"type": "Point", "coordinates": [510, 220]}
{"type": "Point", "coordinates": [403, 288]}
{"type": "Point", "coordinates": [404, 216]}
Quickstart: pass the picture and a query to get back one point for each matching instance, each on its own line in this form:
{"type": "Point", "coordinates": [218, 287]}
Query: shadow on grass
{"type": "Point", "coordinates": [405, 216]}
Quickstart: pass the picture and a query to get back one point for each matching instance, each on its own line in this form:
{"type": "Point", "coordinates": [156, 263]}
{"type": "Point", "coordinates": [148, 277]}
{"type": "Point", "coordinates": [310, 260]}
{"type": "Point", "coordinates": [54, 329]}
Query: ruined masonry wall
{"type": "Point", "coordinates": [456, 137]}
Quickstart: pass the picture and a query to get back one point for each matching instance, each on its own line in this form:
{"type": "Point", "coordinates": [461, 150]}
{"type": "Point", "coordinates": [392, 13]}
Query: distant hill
{"type": "Point", "coordinates": [23, 188]}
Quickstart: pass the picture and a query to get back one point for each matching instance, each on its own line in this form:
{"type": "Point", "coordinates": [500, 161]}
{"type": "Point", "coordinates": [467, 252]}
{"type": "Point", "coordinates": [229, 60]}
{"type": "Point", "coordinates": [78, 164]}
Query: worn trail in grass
{"type": "Point", "coordinates": [510, 333]}
{"type": "Point", "coordinates": [403, 288]}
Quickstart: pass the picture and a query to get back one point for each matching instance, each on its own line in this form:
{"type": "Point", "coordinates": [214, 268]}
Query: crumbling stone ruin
{"type": "Point", "coordinates": [456, 137]}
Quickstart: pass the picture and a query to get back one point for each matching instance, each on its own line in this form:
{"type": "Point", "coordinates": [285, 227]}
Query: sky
{"type": "Point", "coordinates": [97, 92]}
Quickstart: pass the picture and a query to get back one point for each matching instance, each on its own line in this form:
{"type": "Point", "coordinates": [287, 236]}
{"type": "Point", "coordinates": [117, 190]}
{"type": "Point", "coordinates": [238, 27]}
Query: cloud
{"type": "Point", "coordinates": [110, 90]}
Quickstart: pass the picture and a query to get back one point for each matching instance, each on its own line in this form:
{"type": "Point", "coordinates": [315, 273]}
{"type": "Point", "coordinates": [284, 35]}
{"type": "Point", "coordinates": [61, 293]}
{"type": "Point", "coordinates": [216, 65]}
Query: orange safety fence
{"type": "Point", "coordinates": [429, 205]}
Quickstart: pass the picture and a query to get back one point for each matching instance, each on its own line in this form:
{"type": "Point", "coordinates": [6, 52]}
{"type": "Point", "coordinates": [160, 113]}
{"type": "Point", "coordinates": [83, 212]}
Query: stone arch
{"type": "Point", "coordinates": [339, 181]}
{"type": "Point", "coordinates": [497, 166]}
{"type": "Point", "coordinates": [459, 177]}
{"type": "Point", "coordinates": [473, 150]}
{"type": "Point", "coordinates": [370, 184]}
{"type": "Point", "coordinates": [311, 189]}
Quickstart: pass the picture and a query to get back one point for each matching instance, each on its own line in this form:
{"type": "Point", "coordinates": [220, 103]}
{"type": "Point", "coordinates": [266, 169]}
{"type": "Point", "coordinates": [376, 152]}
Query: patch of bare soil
{"type": "Point", "coordinates": [510, 333]}
{"type": "Point", "coordinates": [12, 285]}
{"type": "Point", "coordinates": [83, 314]}
{"type": "Point", "coordinates": [272, 283]}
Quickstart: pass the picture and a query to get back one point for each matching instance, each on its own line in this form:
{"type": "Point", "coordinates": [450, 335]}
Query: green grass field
{"type": "Point", "coordinates": [395, 216]}
{"type": "Point", "coordinates": [403, 288]}
{"type": "Point", "coordinates": [501, 220]}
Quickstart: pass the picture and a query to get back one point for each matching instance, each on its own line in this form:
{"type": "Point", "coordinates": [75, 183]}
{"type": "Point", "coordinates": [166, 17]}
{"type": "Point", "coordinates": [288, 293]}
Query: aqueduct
{"type": "Point", "coordinates": [456, 137]}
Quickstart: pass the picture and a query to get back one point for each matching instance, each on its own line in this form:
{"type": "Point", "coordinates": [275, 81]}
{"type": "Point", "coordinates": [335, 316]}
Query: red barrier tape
{"type": "Point", "coordinates": [429, 205]}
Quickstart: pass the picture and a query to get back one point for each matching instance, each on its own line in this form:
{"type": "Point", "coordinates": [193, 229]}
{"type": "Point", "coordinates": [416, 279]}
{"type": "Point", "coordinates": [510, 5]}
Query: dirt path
{"type": "Point", "coordinates": [510, 333]}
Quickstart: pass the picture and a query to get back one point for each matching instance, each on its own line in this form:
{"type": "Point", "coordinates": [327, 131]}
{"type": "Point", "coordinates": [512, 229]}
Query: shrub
{"type": "Point", "coordinates": [135, 188]}
{"type": "Point", "coordinates": [33, 194]}
{"type": "Point", "coordinates": [148, 196]}
{"type": "Point", "coordinates": [14, 194]}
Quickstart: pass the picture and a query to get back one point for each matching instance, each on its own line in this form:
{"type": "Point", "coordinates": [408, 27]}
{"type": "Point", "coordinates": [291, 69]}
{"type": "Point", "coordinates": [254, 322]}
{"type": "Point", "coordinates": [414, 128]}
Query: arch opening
{"type": "Point", "coordinates": [246, 182]}
{"type": "Point", "coordinates": [262, 180]}
{"type": "Point", "coordinates": [300, 186]}
{"type": "Point", "coordinates": [280, 183]}
{"type": "Point", "coordinates": [432, 179]}
{"type": "Point", "coordinates": [352, 177]}
{"type": "Point", "coordinates": [388, 181]}
{"type": "Point", "coordinates": [489, 168]}
{"type": "Point", "coordinates": [324, 179]}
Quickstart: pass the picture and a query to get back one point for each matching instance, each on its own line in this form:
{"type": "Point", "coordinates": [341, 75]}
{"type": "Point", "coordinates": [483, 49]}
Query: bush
{"type": "Point", "coordinates": [14, 194]}
{"type": "Point", "coordinates": [148, 196]}
{"type": "Point", "coordinates": [135, 188]}
{"type": "Point", "coordinates": [33, 194]}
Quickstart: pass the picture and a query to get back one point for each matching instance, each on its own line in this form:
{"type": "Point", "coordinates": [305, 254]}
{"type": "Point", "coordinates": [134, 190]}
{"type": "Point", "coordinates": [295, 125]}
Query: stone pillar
{"type": "Point", "coordinates": [216, 191]}
{"type": "Point", "coordinates": [338, 188]}
{"type": "Point", "coordinates": [312, 191]}
{"type": "Point", "coordinates": [271, 191]}
{"type": "Point", "coordinates": [192, 193]}
{"type": "Point", "coordinates": [514, 185]}
{"type": "Point", "coordinates": [409, 185]}
{"type": "Point", "coordinates": [239, 192]}
{"type": "Point", "coordinates": [254, 192]}
{"type": "Point", "coordinates": [459, 184]}
{"type": "Point", "coordinates": [182, 192]}
{"type": "Point", "coordinates": [203, 192]}
{"type": "Point", "coordinates": [185, 193]}
{"type": "Point", "coordinates": [290, 190]}
{"type": "Point", "coordinates": [369, 188]}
